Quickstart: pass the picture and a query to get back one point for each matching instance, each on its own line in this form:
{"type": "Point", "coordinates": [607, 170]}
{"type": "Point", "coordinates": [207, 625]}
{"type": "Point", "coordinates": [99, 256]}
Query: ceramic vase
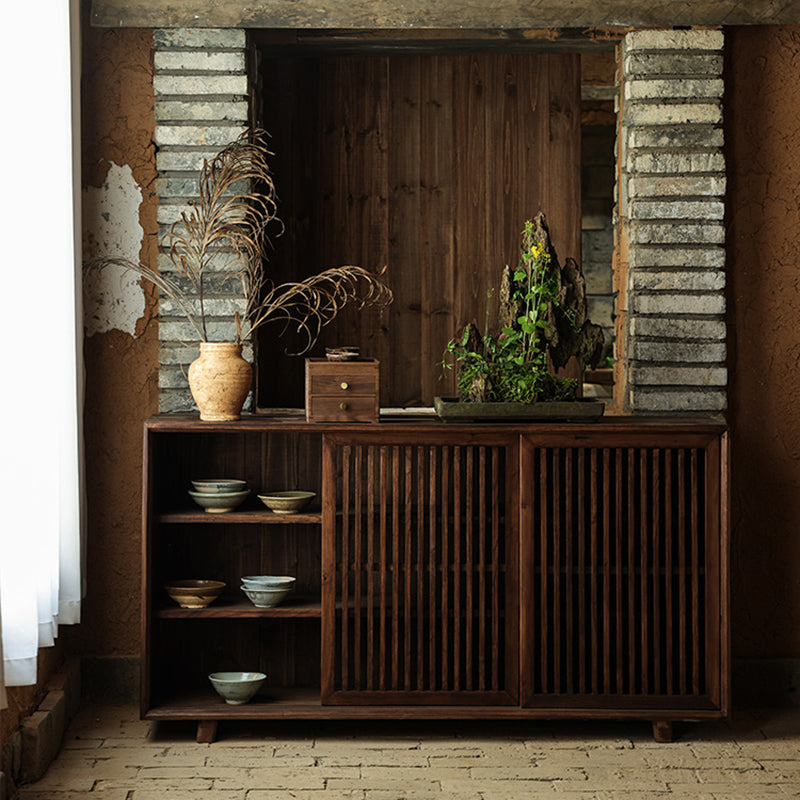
{"type": "Point", "coordinates": [220, 381]}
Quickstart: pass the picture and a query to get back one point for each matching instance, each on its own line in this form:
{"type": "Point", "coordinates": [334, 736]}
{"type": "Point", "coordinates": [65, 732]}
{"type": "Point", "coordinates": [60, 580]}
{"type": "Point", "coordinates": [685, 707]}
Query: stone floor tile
{"type": "Point", "coordinates": [281, 794]}
{"type": "Point", "coordinates": [149, 793]}
{"type": "Point", "coordinates": [30, 793]}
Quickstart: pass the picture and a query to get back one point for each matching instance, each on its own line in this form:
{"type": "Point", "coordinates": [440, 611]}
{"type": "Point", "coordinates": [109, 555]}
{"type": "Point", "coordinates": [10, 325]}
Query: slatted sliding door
{"type": "Point", "coordinates": [621, 541]}
{"type": "Point", "coordinates": [420, 560]}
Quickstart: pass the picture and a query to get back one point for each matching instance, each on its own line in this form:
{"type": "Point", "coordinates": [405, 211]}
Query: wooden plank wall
{"type": "Point", "coordinates": [428, 164]}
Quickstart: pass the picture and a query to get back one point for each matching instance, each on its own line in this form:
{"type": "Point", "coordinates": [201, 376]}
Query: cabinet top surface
{"type": "Point", "coordinates": [293, 421]}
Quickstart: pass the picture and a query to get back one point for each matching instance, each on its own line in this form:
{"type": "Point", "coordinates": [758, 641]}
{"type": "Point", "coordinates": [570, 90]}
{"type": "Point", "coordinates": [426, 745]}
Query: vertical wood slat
{"type": "Point", "coordinates": [682, 571]}
{"type": "Point", "coordinates": [543, 568]}
{"type": "Point", "coordinates": [382, 500]}
{"type": "Point", "coordinates": [618, 565]}
{"type": "Point", "coordinates": [569, 610]}
{"type": "Point", "coordinates": [418, 568]}
{"type": "Point", "coordinates": [556, 573]}
{"type": "Point", "coordinates": [458, 608]}
{"type": "Point", "coordinates": [433, 610]}
{"type": "Point", "coordinates": [369, 655]}
{"type": "Point", "coordinates": [357, 567]}
{"type": "Point", "coordinates": [595, 668]}
{"type": "Point", "coordinates": [407, 631]}
{"type": "Point", "coordinates": [468, 566]}
{"type": "Point", "coordinates": [644, 484]}
{"type": "Point", "coordinates": [481, 566]}
{"type": "Point", "coordinates": [345, 538]}
{"type": "Point", "coordinates": [396, 537]}
{"type": "Point", "coordinates": [695, 517]}
{"type": "Point", "coordinates": [607, 534]}
{"type": "Point", "coordinates": [655, 577]}
{"type": "Point", "coordinates": [668, 573]}
{"type": "Point", "coordinates": [445, 565]}
{"type": "Point", "coordinates": [581, 533]}
{"type": "Point", "coordinates": [495, 581]}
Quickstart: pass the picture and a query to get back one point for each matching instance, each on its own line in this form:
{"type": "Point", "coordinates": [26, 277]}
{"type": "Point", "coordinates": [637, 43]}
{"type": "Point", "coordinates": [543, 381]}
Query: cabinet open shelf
{"type": "Point", "coordinates": [252, 517]}
{"type": "Point", "coordinates": [233, 608]}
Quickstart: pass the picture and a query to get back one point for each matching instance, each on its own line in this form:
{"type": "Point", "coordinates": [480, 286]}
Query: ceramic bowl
{"type": "Point", "coordinates": [219, 485]}
{"type": "Point", "coordinates": [267, 596]}
{"type": "Point", "coordinates": [194, 593]}
{"type": "Point", "coordinates": [268, 581]}
{"type": "Point", "coordinates": [237, 688]}
{"type": "Point", "coordinates": [219, 502]}
{"type": "Point", "coordinates": [287, 502]}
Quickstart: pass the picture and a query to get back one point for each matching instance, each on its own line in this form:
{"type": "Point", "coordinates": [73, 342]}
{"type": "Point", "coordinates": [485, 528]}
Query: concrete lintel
{"type": "Point", "coordinates": [467, 14]}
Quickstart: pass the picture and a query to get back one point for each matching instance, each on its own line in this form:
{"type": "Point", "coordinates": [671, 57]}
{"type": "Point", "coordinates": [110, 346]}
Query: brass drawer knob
{"type": "Point", "coordinates": [345, 385]}
{"type": "Point", "coordinates": [343, 406]}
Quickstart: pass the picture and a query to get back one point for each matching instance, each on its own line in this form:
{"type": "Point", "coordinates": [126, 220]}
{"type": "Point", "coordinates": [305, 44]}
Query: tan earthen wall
{"type": "Point", "coordinates": [121, 370]}
{"type": "Point", "coordinates": [762, 131]}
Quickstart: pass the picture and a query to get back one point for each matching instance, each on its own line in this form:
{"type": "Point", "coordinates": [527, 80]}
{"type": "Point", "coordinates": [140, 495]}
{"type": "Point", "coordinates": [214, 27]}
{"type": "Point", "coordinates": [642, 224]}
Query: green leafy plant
{"type": "Point", "coordinates": [512, 365]}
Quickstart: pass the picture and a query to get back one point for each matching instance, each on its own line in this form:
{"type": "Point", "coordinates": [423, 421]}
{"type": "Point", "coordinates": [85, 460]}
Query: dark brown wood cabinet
{"type": "Point", "coordinates": [449, 570]}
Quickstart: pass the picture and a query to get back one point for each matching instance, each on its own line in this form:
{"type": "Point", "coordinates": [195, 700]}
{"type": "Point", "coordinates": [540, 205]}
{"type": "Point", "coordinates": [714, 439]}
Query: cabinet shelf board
{"type": "Point", "coordinates": [231, 608]}
{"type": "Point", "coordinates": [257, 517]}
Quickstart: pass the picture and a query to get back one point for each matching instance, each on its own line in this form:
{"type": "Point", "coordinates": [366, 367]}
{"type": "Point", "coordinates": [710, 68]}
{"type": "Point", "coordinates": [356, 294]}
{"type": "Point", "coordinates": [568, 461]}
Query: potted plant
{"type": "Point", "coordinates": [225, 232]}
{"type": "Point", "coordinates": [542, 326]}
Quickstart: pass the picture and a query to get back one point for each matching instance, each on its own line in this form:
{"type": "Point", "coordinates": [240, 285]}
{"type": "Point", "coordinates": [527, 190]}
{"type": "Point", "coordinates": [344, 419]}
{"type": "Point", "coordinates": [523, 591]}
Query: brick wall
{"type": "Point", "coordinates": [671, 207]}
{"type": "Point", "coordinates": [201, 105]}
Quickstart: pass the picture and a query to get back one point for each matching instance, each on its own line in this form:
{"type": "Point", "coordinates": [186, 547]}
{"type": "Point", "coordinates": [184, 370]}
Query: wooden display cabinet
{"type": "Point", "coordinates": [447, 571]}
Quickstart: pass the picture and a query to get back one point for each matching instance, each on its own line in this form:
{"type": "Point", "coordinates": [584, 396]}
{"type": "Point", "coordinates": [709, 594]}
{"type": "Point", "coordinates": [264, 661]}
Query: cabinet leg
{"type": "Point", "coordinates": [207, 731]}
{"type": "Point", "coordinates": [662, 731]}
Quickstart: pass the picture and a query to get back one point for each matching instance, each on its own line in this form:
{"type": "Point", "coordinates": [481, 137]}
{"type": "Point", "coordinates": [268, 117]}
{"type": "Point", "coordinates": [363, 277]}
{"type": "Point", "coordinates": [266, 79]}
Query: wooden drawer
{"type": "Point", "coordinates": [342, 391]}
{"type": "Point", "coordinates": [343, 381]}
{"type": "Point", "coordinates": [358, 408]}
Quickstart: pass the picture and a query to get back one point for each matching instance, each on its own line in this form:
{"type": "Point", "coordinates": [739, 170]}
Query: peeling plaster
{"type": "Point", "coordinates": [113, 297]}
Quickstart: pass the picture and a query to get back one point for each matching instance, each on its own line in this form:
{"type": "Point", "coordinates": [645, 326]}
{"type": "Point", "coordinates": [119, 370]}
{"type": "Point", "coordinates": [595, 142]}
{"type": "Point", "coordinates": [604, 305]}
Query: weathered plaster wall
{"type": "Point", "coordinates": [121, 348]}
{"type": "Point", "coordinates": [762, 131]}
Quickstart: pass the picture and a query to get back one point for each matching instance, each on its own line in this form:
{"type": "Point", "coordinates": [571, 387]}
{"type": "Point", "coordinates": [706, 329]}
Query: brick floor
{"type": "Point", "coordinates": [110, 754]}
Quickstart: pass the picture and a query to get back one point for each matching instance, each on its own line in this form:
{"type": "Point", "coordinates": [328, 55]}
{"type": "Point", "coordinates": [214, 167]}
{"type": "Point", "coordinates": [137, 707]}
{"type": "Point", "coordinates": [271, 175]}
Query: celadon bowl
{"type": "Point", "coordinates": [286, 502]}
{"type": "Point", "coordinates": [237, 688]}
{"type": "Point", "coordinates": [219, 485]}
{"type": "Point", "coordinates": [267, 596]}
{"type": "Point", "coordinates": [219, 502]}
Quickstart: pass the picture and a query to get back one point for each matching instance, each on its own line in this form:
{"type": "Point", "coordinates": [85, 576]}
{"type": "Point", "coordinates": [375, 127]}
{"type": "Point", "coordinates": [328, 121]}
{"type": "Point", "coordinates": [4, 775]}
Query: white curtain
{"type": "Point", "coordinates": [40, 321]}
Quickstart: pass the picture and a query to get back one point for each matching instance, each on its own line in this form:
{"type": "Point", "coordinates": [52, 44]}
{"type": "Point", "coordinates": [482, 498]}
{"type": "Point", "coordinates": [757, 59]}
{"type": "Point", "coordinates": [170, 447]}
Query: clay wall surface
{"type": "Point", "coordinates": [118, 163]}
{"type": "Point", "coordinates": [762, 131]}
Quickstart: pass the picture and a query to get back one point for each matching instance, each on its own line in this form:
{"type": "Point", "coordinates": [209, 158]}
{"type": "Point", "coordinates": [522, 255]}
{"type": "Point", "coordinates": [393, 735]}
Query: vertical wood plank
{"type": "Point", "coordinates": [358, 567]}
{"type": "Point", "coordinates": [370, 659]}
{"type": "Point", "coordinates": [619, 570]}
{"type": "Point", "coordinates": [655, 579]}
{"type": "Point", "coordinates": [632, 539]}
{"type": "Point", "coordinates": [669, 571]}
{"type": "Point", "coordinates": [406, 257]}
{"type": "Point", "coordinates": [441, 157]}
{"type": "Point", "coordinates": [409, 565]}
{"type": "Point", "coordinates": [593, 557]}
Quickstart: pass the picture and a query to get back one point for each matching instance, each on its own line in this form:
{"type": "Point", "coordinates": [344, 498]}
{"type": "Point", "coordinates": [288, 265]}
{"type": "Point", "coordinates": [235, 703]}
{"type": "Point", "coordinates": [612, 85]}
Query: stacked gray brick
{"type": "Point", "coordinates": [201, 105]}
{"type": "Point", "coordinates": [672, 204]}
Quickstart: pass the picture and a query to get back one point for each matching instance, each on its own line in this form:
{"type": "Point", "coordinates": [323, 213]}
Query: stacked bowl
{"type": "Point", "coordinates": [267, 591]}
{"type": "Point", "coordinates": [218, 495]}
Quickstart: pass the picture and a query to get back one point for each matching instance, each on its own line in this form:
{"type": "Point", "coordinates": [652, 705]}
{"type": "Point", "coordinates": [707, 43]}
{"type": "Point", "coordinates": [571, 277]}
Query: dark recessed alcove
{"type": "Point", "coordinates": [426, 161]}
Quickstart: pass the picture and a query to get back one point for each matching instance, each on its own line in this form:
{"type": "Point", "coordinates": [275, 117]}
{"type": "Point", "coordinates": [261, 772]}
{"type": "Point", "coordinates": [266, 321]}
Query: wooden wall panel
{"type": "Point", "coordinates": [429, 165]}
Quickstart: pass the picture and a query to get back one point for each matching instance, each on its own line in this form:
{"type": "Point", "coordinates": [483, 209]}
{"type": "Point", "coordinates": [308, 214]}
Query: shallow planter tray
{"type": "Point", "coordinates": [450, 409]}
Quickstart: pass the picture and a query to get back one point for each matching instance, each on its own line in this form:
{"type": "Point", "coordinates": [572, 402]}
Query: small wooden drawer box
{"type": "Point", "coordinates": [342, 391]}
